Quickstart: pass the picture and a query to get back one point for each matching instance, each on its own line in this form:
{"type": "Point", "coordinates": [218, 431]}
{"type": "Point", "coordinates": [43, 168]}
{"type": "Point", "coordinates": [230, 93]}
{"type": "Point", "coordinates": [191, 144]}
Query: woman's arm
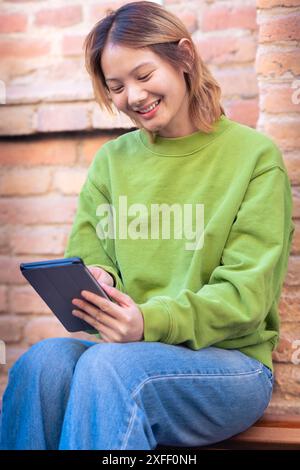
{"type": "Point", "coordinates": [83, 240]}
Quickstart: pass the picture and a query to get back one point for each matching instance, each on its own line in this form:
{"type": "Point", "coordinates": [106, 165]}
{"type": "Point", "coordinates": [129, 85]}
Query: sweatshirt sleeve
{"type": "Point", "coordinates": [241, 290]}
{"type": "Point", "coordinates": [84, 241]}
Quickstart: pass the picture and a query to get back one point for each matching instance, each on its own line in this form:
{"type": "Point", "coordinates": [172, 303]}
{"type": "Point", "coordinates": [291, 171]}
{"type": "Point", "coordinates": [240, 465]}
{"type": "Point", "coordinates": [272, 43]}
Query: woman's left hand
{"type": "Point", "coordinates": [120, 322]}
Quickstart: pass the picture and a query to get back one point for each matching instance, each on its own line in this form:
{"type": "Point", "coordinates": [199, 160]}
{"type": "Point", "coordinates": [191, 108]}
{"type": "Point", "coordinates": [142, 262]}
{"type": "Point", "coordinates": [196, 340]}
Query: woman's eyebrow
{"type": "Point", "coordinates": [133, 70]}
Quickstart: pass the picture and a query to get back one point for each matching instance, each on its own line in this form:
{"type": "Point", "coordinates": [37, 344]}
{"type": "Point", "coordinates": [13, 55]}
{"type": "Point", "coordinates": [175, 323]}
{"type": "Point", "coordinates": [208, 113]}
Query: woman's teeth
{"type": "Point", "coordinates": [150, 107]}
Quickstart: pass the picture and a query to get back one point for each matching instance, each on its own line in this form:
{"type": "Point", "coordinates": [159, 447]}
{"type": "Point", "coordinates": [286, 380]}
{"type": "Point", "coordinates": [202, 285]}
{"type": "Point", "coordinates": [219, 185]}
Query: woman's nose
{"type": "Point", "coordinates": [136, 98]}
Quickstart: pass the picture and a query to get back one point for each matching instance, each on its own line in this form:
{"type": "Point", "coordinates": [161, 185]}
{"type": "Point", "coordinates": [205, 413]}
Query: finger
{"type": "Point", "coordinates": [100, 316]}
{"type": "Point", "coordinates": [104, 338]}
{"type": "Point", "coordinates": [103, 304]}
{"type": "Point", "coordinates": [108, 334]}
{"type": "Point", "coordinates": [105, 331]}
{"type": "Point", "coordinates": [84, 316]}
{"type": "Point", "coordinates": [120, 297]}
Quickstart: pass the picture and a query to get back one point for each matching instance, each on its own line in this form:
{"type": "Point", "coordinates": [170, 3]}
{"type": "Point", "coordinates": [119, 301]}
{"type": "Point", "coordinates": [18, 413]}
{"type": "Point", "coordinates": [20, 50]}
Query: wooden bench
{"type": "Point", "coordinates": [271, 432]}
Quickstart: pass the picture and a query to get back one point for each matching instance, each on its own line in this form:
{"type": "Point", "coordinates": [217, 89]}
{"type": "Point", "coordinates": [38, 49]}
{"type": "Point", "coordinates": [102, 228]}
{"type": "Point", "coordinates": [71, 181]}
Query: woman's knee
{"type": "Point", "coordinates": [50, 353]}
{"type": "Point", "coordinates": [111, 360]}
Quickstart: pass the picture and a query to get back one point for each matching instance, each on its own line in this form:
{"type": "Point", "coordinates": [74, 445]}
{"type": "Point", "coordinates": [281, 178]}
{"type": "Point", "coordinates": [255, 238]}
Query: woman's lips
{"type": "Point", "coordinates": [151, 113]}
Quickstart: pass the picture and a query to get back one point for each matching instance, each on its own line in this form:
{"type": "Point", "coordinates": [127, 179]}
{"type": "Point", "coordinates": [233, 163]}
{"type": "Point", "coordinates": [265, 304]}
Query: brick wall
{"type": "Point", "coordinates": [50, 128]}
{"type": "Point", "coordinates": [278, 74]}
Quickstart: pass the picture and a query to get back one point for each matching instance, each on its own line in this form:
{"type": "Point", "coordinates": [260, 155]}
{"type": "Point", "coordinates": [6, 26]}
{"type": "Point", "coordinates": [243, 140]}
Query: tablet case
{"type": "Point", "coordinates": [58, 282]}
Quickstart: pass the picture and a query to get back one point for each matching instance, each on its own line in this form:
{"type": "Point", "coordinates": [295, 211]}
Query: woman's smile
{"type": "Point", "coordinates": [149, 114]}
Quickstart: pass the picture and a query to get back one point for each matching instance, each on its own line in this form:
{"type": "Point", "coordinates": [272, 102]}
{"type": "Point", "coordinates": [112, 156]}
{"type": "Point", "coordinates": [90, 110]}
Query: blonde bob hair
{"type": "Point", "coordinates": [147, 24]}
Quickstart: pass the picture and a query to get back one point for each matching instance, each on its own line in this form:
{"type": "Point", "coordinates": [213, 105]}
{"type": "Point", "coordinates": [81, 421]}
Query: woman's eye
{"type": "Point", "coordinates": [145, 76]}
{"type": "Point", "coordinates": [116, 90]}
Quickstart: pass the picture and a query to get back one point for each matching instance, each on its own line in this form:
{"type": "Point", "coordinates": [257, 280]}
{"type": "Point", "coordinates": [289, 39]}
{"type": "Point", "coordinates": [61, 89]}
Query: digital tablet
{"type": "Point", "coordinates": [58, 282]}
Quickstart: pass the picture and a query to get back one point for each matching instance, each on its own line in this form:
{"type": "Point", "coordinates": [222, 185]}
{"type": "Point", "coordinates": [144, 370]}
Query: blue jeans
{"type": "Point", "coordinates": [66, 393]}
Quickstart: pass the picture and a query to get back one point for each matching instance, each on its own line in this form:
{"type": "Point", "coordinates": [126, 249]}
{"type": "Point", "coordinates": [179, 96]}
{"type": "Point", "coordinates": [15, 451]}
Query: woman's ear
{"type": "Point", "coordinates": [185, 45]}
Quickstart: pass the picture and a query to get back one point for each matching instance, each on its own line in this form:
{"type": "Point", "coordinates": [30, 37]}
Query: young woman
{"type": "Point", "coordinates": [196, 245]}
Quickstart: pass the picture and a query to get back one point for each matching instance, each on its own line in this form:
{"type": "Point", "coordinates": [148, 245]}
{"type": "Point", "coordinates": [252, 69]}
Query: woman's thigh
{"type": "Point", "coordinates": [189, 397]}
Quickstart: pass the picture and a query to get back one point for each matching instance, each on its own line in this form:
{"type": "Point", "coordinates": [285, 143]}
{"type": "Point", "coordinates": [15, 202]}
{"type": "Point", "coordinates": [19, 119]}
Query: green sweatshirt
{"type": "Point", "coordinates": [218, 284]}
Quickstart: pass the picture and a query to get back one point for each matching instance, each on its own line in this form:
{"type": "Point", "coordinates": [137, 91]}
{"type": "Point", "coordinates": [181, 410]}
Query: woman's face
{"type": "Point", "coordinates": [133, 87]}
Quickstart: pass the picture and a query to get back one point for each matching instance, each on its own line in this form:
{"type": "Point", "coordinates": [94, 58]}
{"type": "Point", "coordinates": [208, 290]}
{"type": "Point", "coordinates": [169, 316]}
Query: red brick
{"type": "Point", "coordinates": [10, 271]}
{"type": "Point", "coordinates": [292, 279]}
{"type": "Point", "coordinates": [296, 91]}
{"type": "Point", "coordinates": [280, 28]}
{"type": "Point", "coordinates": [283, 405]}
{"type": "Point", "coordinates": [3, 298]}
{"type": "Point", "coordinates": [3, 378]}
{"type": "Point", "coordinates": [59, 17]}
{"type": "Point", "coordinates": [63, 117]}
{"type": "Point", "coordinates": [237, 81]}
{"type": "Point", "coordinates": [24, 49]}
{"type": "Point", "coordinates": [10, 267]}
{"type": "Point", "coordinates": [40, 240]}
{"type": "Point", "coordinates": [16, 120]}
{"type": "Point", "coordinates": [12, 355]}
{"type": "Point", "coordinates": [11, 328]}
{"type": "Point", "coordinates": [292, 164]}
{"type": "Point", "coordinates": [56, 151]}
{"type": "Point", "coordinates": [287, 379]}
{"type": "Point", "coordinates": [278, 98]}
{"type": "Point", "coordinates": [12, 23]}
{"type": "Point", "coordinates": [296, 239]}
{"type": "Point", "coordinates": [5, 246]}
{"type": "Point", "coordinates": [69, 180]}
{"type": "Point", "coordinates": [219, 50]}
{"type": "Point", "coordinates": [24, 299]}
{"type": "Point", "coordinates": [38, 210]}
{"type": "Point", "coordinates": [243, 111]}
{"type": "Point", "coordinates": [285, 132]}
{"type": "Point", "coordinates": [285, 351]}
{"type": "Point", "coordinates": [73, 44]}
{"type": "Point", "coordinates": [289, 305]}
{"type": "Point", "coordinates": [296, 201]}
{"type": "Point", "coordinates": [11, 67]}
{"type": "Point", "coordinates": [276, 3]}
{"type": "Point", "coordinates": [55, 90]}
{"type": "Point", "coordinates": [90, 145]}
{"type": "Point", "coordinates": [103, 120]}
{"type": "Point", "coordinates": [38, 329]}
{"type": "Point", "coordinates": [69, 67]}
{"type": "Point", "coordinates": [277, 63]}
{"type": "Point", "coordinates": [224, 17]}
{"type": "Point", "coordinates": [189, 19]}
{"type": "Point", "coordinates": [19, 181]}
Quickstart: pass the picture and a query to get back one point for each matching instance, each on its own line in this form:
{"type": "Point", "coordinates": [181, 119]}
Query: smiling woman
{"type": "Point", "coordinates": [142, 56]}
{"type": "Point", "coordinates": [186, 351]}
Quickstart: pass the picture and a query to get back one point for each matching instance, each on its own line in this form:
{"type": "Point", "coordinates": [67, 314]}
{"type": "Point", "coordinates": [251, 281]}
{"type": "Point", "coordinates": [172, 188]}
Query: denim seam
{"type": "Point", "coordinates": [130, 426]}
{"type": "Point", "coordinates": [137, 389]}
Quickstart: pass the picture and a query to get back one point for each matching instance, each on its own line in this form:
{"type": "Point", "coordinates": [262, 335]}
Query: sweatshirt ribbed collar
{"type": "Point", "coordinates": [181, 146]}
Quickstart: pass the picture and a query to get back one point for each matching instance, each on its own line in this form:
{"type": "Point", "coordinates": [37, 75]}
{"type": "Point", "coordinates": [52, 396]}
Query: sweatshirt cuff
{"type": "Point", "coordinates": [117, 281]}
{"type": "Point", "coordinates": [157, 321]}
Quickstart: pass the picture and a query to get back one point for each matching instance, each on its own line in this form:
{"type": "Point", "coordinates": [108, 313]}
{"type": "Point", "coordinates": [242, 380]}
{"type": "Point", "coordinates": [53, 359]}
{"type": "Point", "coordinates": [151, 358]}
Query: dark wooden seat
{"type": "Point", "coordinates": [271, 432]}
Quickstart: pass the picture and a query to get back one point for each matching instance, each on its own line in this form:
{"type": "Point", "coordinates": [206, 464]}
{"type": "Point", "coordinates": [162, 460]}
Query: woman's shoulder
{"type": "Point", "coordinates": [255, 141]}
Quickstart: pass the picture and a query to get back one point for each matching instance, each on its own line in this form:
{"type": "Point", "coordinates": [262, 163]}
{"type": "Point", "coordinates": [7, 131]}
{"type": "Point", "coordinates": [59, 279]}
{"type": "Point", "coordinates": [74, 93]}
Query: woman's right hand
{"type": "Point", "coordinates": [101, 275]}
